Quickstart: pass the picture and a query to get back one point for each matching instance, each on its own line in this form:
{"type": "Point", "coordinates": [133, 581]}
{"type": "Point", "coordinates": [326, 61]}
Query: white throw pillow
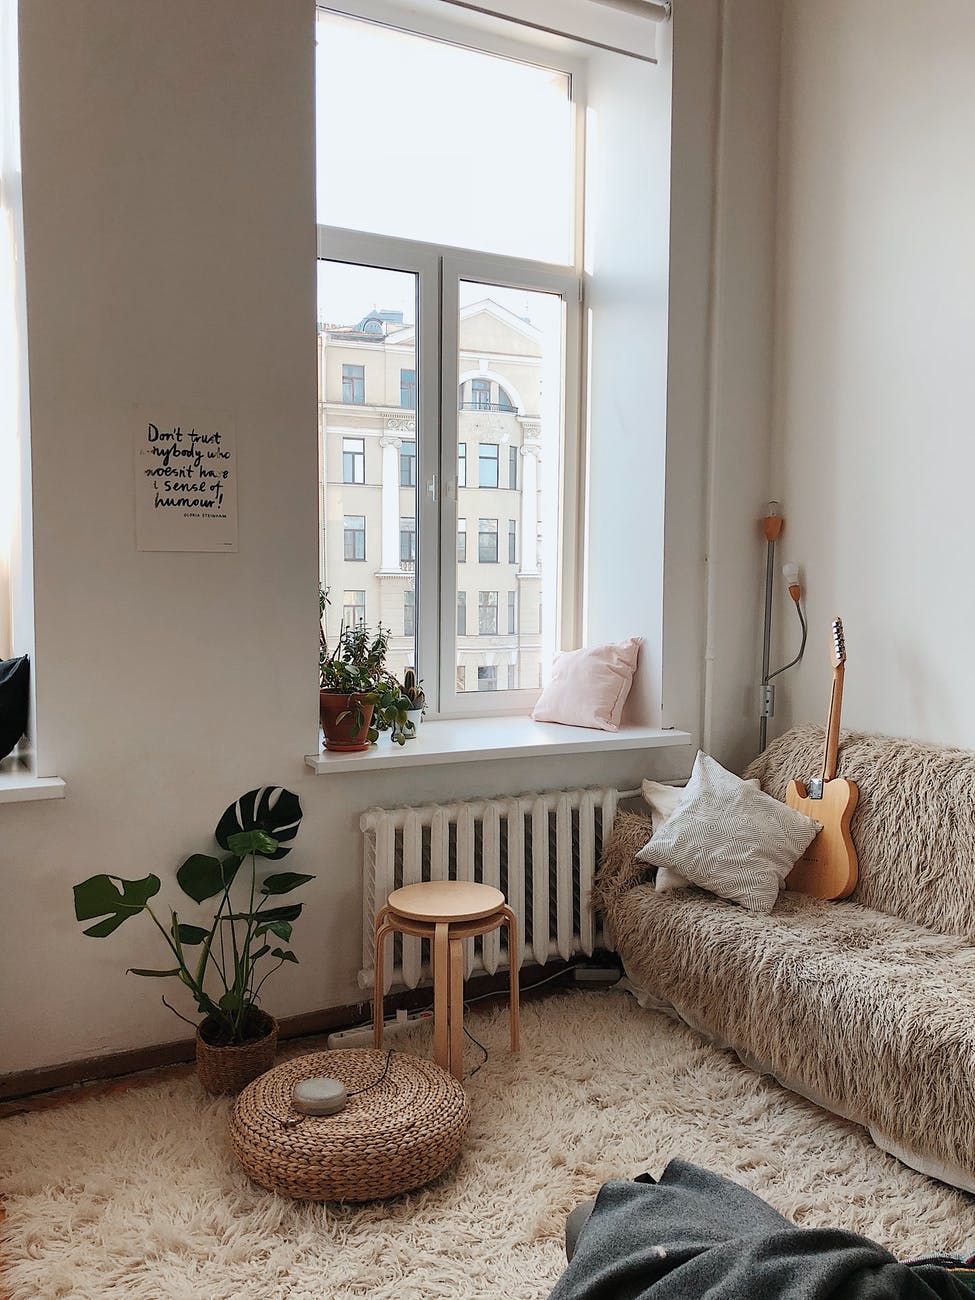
{"type": "Point", "coordinates": [664, 801]}
{"type": "Point", "coordinates": [730, 839]}
{"type": "Point", "coordinates": [589, 687]}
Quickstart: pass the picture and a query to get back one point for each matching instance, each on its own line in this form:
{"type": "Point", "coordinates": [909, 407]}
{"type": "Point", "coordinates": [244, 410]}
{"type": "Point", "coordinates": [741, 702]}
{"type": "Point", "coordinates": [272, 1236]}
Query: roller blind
{"type": "Point", "coordinates": [625, 25]}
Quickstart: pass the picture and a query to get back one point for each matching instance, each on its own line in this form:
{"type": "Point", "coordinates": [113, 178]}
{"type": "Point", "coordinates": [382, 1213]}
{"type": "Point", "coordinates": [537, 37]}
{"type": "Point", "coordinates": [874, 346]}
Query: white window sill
{"type": "Point", "coordinates": [476, 740]}
{"type": "Point", "coordinates": [19, 785]}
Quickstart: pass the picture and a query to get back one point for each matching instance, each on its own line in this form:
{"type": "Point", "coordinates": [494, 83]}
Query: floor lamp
{"type": "Point", "coordinates": [772, 528]}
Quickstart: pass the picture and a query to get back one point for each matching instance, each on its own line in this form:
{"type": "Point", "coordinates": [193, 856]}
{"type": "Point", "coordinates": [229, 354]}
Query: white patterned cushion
{"type": "Point", "coordinates": [730, 839]}
{"type": "Point", "coordinates": [664, 800]}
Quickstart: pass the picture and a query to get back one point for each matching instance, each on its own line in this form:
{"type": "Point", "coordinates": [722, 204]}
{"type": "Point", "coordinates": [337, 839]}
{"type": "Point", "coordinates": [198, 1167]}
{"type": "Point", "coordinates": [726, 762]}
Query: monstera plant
{"type": "Point", "coordinates": [224, 962]}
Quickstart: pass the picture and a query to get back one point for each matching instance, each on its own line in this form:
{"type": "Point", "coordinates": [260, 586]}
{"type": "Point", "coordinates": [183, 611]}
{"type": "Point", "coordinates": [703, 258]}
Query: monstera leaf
{"type": "Point", "coordinates": [102, 896]}
{"type": "Point", "coordinates": [271, 810]}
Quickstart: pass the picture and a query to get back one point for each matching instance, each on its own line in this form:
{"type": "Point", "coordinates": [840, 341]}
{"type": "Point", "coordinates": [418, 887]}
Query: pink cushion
{"type": "Point", "coordinates": [589, 687]}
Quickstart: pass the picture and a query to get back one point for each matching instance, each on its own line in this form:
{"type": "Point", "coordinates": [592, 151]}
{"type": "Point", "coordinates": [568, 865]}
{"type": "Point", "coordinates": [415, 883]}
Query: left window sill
{"type": "Point", "coordinates": [19, 785]}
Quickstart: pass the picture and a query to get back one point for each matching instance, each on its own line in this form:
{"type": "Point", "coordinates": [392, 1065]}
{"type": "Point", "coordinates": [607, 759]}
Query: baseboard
{"type": "Point", "coordinates": [26, 1083]}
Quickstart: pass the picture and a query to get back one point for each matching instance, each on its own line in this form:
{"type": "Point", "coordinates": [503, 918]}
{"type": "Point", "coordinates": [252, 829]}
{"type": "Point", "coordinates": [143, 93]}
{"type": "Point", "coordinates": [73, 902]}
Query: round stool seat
{"type": "Point", "coordinates": [446, 900]}
{"type": "Point", "coordinates": [394, 1136]}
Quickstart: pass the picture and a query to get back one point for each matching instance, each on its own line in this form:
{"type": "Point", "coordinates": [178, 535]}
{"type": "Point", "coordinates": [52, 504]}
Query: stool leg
{"type": "Point", "coordinates": [511, 922]}
{"type": "Point", "coordinates": [441, 1000]}
{"type": "Point", "coordinates": [457, 1009]}
{"type": "Point", "coordinates": [378, 991]}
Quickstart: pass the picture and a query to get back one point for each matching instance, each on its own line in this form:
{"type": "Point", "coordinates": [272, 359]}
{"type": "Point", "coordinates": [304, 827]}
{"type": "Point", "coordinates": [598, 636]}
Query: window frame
{"type": "Point", "coordinates": [356, 382]}
{"type": "Point", "coordinates": [353, 533]}
{"type": "Point", "coordinates": [357, 457]}
{"type": "Point", "coordinates": [407, 460]}
{"type": "Point", "coordinates": [439, 270]}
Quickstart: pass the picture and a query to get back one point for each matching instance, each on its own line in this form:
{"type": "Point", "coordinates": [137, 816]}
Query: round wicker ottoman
{"type": "Point", "coordinates": [393, 1136]}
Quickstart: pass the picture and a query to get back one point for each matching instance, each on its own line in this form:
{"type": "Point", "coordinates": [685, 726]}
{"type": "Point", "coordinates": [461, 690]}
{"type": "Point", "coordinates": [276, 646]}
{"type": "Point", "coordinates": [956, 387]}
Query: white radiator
{"type": "Point", "coordinates": [541, 850]}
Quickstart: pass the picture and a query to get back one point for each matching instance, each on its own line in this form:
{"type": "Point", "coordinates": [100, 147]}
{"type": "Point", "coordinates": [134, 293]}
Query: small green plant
{"type": "Point", "coordinates": [357, 667]}
{"type": "Point", "coordinates": [223, 964]}
{"type": "Point", "coordinates": [413, 690]}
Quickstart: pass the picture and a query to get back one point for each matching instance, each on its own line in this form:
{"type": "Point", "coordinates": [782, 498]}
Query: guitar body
{"type": "Point", "coordinates": [828, 868]}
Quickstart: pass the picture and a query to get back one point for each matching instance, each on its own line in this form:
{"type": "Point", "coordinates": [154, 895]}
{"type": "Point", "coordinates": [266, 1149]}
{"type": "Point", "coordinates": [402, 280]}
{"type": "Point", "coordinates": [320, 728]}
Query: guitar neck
{"type": "Point", "coordinates": [833, 725]}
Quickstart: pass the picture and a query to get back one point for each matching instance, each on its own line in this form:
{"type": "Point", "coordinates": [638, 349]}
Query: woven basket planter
{"type": "Point", "coordinates": [228, 1069]}
{"type": "Point", "coordinates": [405, 1126]}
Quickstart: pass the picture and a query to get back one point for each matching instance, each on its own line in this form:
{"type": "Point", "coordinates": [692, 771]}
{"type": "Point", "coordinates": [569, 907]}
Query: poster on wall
{"type": "Point", "coordinates": [185, 481]}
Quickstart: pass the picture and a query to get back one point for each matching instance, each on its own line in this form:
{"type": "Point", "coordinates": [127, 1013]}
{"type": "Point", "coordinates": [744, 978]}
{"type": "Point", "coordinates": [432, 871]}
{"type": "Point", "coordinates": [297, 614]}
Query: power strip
{"type": "Point", "coordinates": [361, 1035]}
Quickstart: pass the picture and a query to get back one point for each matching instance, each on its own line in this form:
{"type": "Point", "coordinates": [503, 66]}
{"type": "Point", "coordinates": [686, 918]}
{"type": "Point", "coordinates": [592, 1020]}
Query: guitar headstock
{"type": "Point", "coordinates": [839, 643]}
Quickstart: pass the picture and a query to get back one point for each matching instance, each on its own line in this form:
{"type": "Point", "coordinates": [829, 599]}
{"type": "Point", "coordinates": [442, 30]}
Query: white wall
{"type": "Point", "coordinates": [168, 153]}
{"type": "Point", "coordinates": [875, 389]}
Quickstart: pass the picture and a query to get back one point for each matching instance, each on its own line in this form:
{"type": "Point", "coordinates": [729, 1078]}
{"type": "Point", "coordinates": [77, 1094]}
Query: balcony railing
{"type": "Point", "coordinates": [503, 407]}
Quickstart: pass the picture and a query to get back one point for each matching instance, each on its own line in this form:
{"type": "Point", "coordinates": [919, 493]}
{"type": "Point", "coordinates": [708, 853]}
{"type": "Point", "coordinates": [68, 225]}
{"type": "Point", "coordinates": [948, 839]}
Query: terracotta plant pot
{"type": "Point", "coordinates": [228, 1069]}
{"type": "Point", "coordinates": [344, 735]}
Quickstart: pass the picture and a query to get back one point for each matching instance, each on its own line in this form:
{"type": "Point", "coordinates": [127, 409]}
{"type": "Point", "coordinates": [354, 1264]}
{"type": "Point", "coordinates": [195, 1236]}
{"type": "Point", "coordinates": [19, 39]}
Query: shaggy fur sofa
{"type": "Point", "coordinates": [866, 1006]}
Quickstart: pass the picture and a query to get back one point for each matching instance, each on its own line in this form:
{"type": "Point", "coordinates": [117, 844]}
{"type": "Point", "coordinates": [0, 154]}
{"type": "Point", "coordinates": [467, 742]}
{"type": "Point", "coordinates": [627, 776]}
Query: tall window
{"type": "Point", "coordinates": [437, 294]}
{"type": "Point", "coordinates": [407, 540]}
{"type": "Point", "coordinates": [355, 537]}
{"type": "Point", "coordinates": [354, 384]}
{"type": "Point", "coordinates": [487, 613]}
{"type": "Point", "coordinates": [512, 597]}
{"type": "Point", "coordinates": [487, 465]}
{"type": "Point", "coordinates": [487, 541]}
{"type": "Point", "coordinates": [407, 464]}
{"type": "Point", "coordinates": [354, 608]}
{"type": "Point", "coordinates": [353, 460]}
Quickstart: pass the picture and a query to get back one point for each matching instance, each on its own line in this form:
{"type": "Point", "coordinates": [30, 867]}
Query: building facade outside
{"type": "Point", "coordinates": [370, 476]}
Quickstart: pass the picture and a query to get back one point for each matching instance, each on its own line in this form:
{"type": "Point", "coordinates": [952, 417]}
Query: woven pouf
{"type": "Point", "coordinates": [390, 1138]}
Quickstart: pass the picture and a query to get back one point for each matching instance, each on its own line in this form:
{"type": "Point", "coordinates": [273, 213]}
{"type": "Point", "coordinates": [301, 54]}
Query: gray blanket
{"type": "Point", "coordinates": [695, 1234]}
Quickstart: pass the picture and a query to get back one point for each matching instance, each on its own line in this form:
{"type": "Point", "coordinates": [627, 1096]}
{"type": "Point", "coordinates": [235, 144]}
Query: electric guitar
{"type": "Point", "coordinates": [828, 868]}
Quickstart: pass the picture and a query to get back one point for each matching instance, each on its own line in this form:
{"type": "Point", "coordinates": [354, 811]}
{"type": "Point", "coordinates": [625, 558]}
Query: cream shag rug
{"type": "Point", "coordinates": [137, 1197]}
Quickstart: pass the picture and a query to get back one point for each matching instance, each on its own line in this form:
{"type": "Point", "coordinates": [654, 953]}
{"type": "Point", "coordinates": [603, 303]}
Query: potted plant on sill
{"type": "Point", "coordinates": [225, 963]}
{"type": "Point", "coordinates": [413, 690]}
{"type": "Point", "coordinates": [358, 696]}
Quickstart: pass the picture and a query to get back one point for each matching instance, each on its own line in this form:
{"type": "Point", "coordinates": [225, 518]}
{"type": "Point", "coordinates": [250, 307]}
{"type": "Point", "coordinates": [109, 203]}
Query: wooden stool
{"type": "Point", "coordinates": [446, 912]}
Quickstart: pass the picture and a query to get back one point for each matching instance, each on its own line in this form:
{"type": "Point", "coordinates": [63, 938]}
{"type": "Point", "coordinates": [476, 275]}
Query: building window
{"type": "Point", "coordinates": [513, 468]}
{"type": "Point", "coordinates": [504, 402]}
{"type": "Point", "coordinates": [462, 613]}
{"type": "Point", "coordinates": [461, 541]}
{"type": "Point", "coordinates": [353, 460]}
{"type": "Point", "coordinates": [487, 613]}
{"type": "Point", "coordinates": [354, 384]}
{"type": "Point", "coordinates": [355, 537]}
{"type": "Point", "coordinates": [461, 679]}
{"type": "Point", "coordinates": [480, 395]}
{"type": "Point", "coordinates": [512, 542]}
{"type": "Point", "coordinates": [407, 540]}
{"type": "Point", "coordinates": [511, 613]}
{"type": "Point", "coordinates": [487, 465]}
{"type": "Point", "coordinates": [354, 608]}
{"type": "Point", "coordinates": [512, 677]}
{"type": "Point", "coordinates": [462, 464]}
{"type": "Point", "coordinates": [409, 612]}
{"type": "Point", "coordinates": [407, 464]}
{"type": "Point", "coordinates": [487, 541]}
{"type": "Point", "coordinates": [407, 389]}
{"type": "Point", "coordinates": [487, 677]}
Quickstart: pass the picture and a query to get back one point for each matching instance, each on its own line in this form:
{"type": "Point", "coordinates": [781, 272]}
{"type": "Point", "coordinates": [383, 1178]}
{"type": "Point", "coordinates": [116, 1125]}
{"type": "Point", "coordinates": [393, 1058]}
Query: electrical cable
{"type": "Point", "coordinates": [802, 647]}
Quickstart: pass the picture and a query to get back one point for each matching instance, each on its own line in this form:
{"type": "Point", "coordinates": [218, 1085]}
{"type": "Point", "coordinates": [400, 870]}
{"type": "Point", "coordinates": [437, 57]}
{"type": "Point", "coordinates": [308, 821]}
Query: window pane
{"type": "Point", "coordinates": [487, 464]}
{"type": "Point", "coordinates": [461, 541]}
{"type": "Point", "coordinates": [407, 464]}
{"type": "Point", "coordinates": [353, 608]}
{"type": "Point", "coordinates": [510, 410]}
{"type": "Point", "coordinates": [487, 613]}
{"type": "Point", "coordinates": [462, 613]}
{"type": "Point", "coordinates": [368, 452]}
{"type": "Point", "coordinates": [407, 389]}
{"type": "Point", "coordinates": [487, 677]}
{"type": "Point", "coordinates": [405, 116]}
{"type": "Point", "coordinates": [487, 541]}
{"type": "Point", "coordinates": [462, 464]}
{"type": "Point", "coordinates": [355, 537]}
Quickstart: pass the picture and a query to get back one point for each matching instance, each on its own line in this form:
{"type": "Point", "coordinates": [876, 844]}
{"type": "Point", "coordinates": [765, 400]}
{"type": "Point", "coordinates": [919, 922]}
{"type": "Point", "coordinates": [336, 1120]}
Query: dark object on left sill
{"type": "Point", "coordinates": [14, 702]}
